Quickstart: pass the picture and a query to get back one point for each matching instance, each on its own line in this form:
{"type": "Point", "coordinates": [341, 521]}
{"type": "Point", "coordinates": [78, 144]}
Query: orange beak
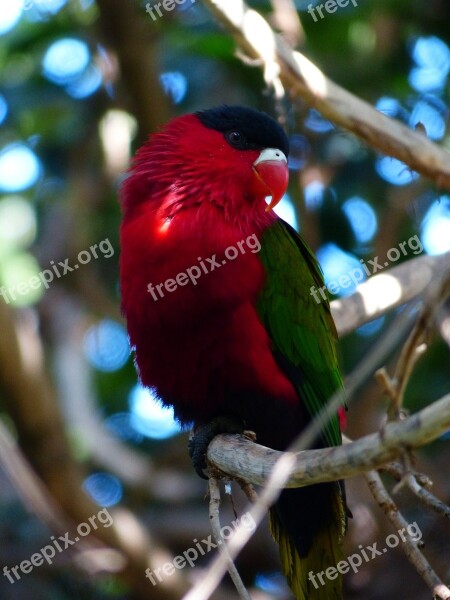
{"type": "Point", "coordinates": [271, 171]}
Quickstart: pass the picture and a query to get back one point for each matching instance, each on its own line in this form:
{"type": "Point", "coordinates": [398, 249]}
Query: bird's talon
{"type": "Point", "coordinates": [200, 440]}
{"type": "Point", "coordinates": [250, 435]}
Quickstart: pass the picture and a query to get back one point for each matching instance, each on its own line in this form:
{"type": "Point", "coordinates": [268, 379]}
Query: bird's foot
{"type": "Point", "coordinates": [201, 438]}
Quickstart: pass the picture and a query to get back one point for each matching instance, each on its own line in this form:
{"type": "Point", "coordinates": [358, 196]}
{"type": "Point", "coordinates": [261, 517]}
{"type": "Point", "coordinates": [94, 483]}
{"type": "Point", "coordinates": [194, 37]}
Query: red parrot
{"type": "Point", "coordinates": [216, 293]}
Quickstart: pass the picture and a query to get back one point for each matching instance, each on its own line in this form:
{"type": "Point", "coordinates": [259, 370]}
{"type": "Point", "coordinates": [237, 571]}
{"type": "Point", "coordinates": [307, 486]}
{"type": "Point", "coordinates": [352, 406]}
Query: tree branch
{"type": "Point", "coordinates": [385, 291]}
{"type": "Point", "coordinates": [239, 457]}
{"type": "Point", "coordinates": [303, 79]}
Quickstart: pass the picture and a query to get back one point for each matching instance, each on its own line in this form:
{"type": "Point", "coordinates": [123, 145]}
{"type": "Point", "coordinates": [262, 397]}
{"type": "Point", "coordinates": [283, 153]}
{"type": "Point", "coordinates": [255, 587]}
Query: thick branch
{"type": "Point", "coordinates": [302, 78]}
{"type": "Point", "coordinates": [239, 457]}
{"type": "Point", "coordinates": [387, 290]}
{"type": "Point", "coordinates": [128, 32]}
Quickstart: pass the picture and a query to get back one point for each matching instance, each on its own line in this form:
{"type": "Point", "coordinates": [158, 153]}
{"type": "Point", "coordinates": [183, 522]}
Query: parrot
{"type": "Point", "coordinates": [215, 290]}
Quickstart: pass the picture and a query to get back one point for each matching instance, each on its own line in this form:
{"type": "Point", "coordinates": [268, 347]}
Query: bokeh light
{"type": "Point", "coordinates": [120, 424]}
{"type": "Point", "coordinates": [65, 60]}
{"type": "Point", "coordinates": [16, 274]}
{"type": "Point", "coordinates": [299, 149]}
{"type": "Point", "coordinates": [86, 84]}
{"type": "Point", "coordinates": [394, 171]}
{"type": "Point", "coordinates": [149, 417]}
{"type": "Point", "coordinates": [313, 194]}
{"type": "Point", "coordinates": [335, 264]}
{"type": "Point", "coordinates": [272, 583]}
{"type": "Point", "coordinates": [315, 122]}
{"type": "Point", "coordinates": [362, 218]}
{"type": "Point", "coordinates": [435, 234]}
{"type": "Point", "coordinates": [49, 6]}
{"type": "Point", "coordinates": [17, 223]}
{"type": "Point", "coordinates": [369, 329]}
{"type": "Point", "coordinates": [19, 168]}
{"type": "Point", "coordinates": [391, 107]}
{"type": "Point", "coordinates": [10, 13]}
{"type": "Point", "coordinates": [286, 211]}
{"type": "Point", "coordinates": [104, 489]}
{"type": "Point", "coordinates": [175, 85]}
{"type": "Point", "coordinates": [432, 113]}
{"type": "Point", "coordinates": [106, 345]}
{"type": "Point", "coordinates": [3, 109]}
{"type": "Point", "coordinates": [432, 57]}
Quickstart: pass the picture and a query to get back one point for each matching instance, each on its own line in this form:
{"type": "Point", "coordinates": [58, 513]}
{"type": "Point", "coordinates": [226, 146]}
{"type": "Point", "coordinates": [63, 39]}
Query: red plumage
{"type": "Point", "coordinates": [190, 343]}
{"type": "Point", "coordinates": [196, 190]}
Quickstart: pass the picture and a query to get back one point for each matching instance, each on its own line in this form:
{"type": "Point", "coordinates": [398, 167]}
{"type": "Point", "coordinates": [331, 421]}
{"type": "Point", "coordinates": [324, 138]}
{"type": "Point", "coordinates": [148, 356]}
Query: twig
{"type": "Point", "coordinates": [414, 347]}
{"type": "Point", "coordinates": [303, 79]}
{"type": "Point", "coordinates": [396, 470]}
{"type": "Point", "coordinates": [285, 18]}
{"type": "Point", "coordinates": [214, 505]}
{"type": "Point", "coordinates": [443, 320]}
{"type": "Point", "coordinates": [248, 490]}
{"type": "Point", "coordinates": [425, 496]}
{"type": "Point", "coordinates": [410, 547]}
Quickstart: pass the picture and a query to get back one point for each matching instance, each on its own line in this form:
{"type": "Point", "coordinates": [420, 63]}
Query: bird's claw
{"type": "Point", "coordinates": [201, 438]}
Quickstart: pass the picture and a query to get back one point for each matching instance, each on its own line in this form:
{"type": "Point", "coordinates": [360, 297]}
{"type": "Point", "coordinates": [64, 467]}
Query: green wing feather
{"type": "Point", "coordinates": [301, 330]}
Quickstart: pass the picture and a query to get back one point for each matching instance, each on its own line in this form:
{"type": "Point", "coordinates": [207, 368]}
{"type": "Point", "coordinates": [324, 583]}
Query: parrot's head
{"type": "Point", "coordinates": [231, 156]}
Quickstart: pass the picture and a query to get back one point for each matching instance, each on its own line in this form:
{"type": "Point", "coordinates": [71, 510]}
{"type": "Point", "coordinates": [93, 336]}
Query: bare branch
{"type": "Point", "coordinates": [387, 290]}
{"type": "Point", "coordinates": [239, 457]}
{"type": "Point", "coordinates": [303, 79]}
{"type": "Point", "coordinates": [214, 505]}
{"type": "Point", "coordinates": [426, 497]}
{"type": "Point", "coordinates": [285, 18]}
{"type": "Point", "coordinates": [410, 547]}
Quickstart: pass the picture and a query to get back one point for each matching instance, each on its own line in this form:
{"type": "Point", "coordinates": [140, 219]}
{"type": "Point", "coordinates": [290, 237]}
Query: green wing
{"type": "Point", "coordinates": [301, 330]}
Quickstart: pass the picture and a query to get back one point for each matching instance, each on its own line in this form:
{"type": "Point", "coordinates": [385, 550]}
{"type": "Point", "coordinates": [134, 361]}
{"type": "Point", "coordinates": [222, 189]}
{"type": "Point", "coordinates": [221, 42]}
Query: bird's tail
{"type": "Point", "coordinates": [310, 542]}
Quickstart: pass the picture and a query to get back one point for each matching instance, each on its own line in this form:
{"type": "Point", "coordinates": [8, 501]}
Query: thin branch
{"type": "Point", "coordinates": [214, 505]}
{"type": "Point", "coordinates": [28, 485]}
{"type": "Point", "coordinates": [285, 18]}
{"type": "Point", "coordinates": [387, 290]}
{"type": "Point", "coordinates": [444, 322]}
{"type": "Point", "coordinates": [303, 79]}
{"type": "Point", "coordinates": [425, 496]}
{"type": "Point", "coordinates": [239, 457]}
{"type": "Point", "coordinates": [410, 547]}
{"type": "Point", "coordinates": [414, 347]}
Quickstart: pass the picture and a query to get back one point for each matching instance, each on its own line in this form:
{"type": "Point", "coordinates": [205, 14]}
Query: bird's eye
{"type": "Point", "coordinates": [235, 138]}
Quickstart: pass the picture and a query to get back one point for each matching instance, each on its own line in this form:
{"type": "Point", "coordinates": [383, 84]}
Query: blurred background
{"type": "Point", "coordinates": [82, 84]}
